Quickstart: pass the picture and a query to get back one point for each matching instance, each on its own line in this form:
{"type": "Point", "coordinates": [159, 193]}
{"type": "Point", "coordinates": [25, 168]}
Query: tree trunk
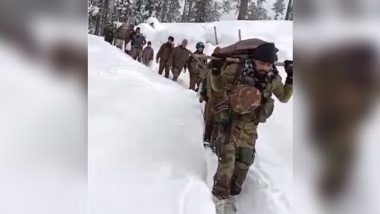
{"type": "Point", "coordinates": [201, 11]}
{"type": "Point", "coordinates": [104, 15]}
{"type": "Point", "coordinates": [243, 10]}
{"type": "Point", "coordinates": [184, 15]}
{"type": "Point", "coordinates": [97, 25]}
{"type": "Point", "coordinates": [189, 14]}
{"type": "Point", "coordinates": [164, 11]}
{"type": "Point", "coordinates": [287, 17]}
{"type": "Point", "coordinates": [169, 17]}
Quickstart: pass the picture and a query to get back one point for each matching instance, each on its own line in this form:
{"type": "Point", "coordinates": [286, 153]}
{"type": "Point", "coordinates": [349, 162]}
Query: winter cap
{"type": "Point", "coordinates": [266, 52]}
{"type": "Point", "coordinates": [200, 45]}
{"type": "Point", "coordinates": [149, 43]}
{"type": "Point", "coordinates": [171, 38]}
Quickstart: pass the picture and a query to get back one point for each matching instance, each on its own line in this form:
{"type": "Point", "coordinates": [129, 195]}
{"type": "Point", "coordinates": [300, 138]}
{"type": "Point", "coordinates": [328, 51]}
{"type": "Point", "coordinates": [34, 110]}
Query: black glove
{"type": "Point", "coordinates": [289, 70]}
{"type": "Point", "coordinates": [289, 67]}
{"type": "Point", "coordinates": [217, 66]}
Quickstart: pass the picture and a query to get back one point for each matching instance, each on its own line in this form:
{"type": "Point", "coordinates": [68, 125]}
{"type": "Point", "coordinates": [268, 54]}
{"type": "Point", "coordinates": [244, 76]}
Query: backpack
{"type": "Point", "coordinates": [239, 49]}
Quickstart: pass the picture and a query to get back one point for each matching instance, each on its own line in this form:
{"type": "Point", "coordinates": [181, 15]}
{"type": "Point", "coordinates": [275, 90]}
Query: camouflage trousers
{"type": "Point", "coordinates": [195, 79]}
{"type": "Point", "coordinates": [120, 43]}
{"type": "Point", "coordinates": [136, 54]}
{"type": "Point", "coordinates": [209, 122]}
{"type": "Point", "coordinates": [163, 65]}
{"type": "Point", "coordinates": [176, 72]}
{"type": "Point", "coordinates": [235, 158]}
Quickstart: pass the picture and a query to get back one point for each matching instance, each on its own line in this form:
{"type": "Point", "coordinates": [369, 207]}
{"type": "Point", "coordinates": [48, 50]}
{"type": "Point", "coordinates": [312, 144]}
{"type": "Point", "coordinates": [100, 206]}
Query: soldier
{"type": "Point", "coordinates": [147, 54]}
{"type": "Point", "coordinates": [108, 33]}
{"type": "Point", "coordinates": [194, 67]}
{"type": "Point", "coordinates": [210, 97]}
{"type": "Point", "coordinates": [121, 35]}
{"type": "Point", "coordinates": [138, 42]}
{"type": "Point", "coordinates": [130, 34]}
{"type": "Point", "coordinates": [247, 89]}
{"type": "Point", "coordinates": [163, 56]}
{"type": "Point", "coordinates": [179, 59]}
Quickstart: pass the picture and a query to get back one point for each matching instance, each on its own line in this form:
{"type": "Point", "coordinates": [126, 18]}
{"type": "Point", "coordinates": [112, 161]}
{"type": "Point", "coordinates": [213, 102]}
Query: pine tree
{"type": "Point", "coordinates": [185, 9]}
{"type": "Point", "coordinates": [200, 10]}
{"type": "Point", "coordinates": [243, 9]}
{"type": "Point", "coordinates": [226, 6]}
{"type": "Point", "coordinates": [206, 11]}
{"type": "Point", "coordinates": [278, 8]}
{"type": "Point", "coordinates": [95, 8]}
{"type": "Point", "coordinates": [289, 11]}
{"type": "Point", "coordinates": [256, 11]}
{"type": "Point", "coordinates": [174, 13]}
{"type": "Point", "coordinates": [126, 11]}
{"type": "Point", "coordinates": [213, 9]}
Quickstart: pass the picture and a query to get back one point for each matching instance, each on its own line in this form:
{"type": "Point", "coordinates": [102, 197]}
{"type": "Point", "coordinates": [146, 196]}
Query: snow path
{"type": "Point", "coordinates": [145, 143]}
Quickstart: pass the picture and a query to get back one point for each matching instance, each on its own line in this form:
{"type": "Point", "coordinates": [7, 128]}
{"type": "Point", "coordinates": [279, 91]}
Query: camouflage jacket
{"type": "Point", "coordinates": [179, 57]}
{"type": "Point", "coordinates": [194, 65]}
{"type": "Point", "coordinates": [148, 54]}
{"type": "Point", "coordinates": [224, 82]}
{"type": "Point", "coordinates": [164, 52]}
{"type": "Point", "coordinates": [122, 32]}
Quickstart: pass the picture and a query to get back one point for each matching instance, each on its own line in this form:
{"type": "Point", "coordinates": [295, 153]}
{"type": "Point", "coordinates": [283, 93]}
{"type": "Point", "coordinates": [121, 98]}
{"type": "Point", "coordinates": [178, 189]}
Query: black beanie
{"type": "Point", "coordinates": [266, 52]}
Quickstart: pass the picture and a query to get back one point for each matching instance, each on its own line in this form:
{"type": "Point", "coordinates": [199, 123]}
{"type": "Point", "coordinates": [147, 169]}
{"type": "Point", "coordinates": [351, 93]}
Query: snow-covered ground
{"type": "Point", "coordinates": [145, 132]}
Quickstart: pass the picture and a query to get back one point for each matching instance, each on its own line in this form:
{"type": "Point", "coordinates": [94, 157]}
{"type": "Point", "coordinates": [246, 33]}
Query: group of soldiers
{"type": "Point", "coordinates": [237, 95]}
{"type": "Point", "coordinates": [176, 59]}
{"type": "Point", "coordinates": [169, 58]}
{"type": "Point", "coordinates": [124, 34]}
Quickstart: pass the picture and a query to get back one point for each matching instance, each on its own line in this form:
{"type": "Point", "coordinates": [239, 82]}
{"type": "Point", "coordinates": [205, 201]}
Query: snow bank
{"type": "Point", "coordinates": [145, 134]}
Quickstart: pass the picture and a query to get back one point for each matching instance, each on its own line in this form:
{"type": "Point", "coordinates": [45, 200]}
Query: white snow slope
{"type": "Point", "coordinates": [145, 132]}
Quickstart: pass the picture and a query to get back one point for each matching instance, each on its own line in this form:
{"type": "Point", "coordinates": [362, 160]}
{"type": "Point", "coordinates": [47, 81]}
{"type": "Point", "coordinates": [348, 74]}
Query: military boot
{"type": "Point", "coordinates": [224, 206]}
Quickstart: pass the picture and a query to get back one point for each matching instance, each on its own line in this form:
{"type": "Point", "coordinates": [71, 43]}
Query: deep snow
{"type": "Point", "coordinates": [145, 132]}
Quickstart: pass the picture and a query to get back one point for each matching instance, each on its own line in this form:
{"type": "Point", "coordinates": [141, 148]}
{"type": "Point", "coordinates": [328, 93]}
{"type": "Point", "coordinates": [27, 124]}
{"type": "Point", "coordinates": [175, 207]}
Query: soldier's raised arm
{"type": "Point", "coordinates": [281, 91]}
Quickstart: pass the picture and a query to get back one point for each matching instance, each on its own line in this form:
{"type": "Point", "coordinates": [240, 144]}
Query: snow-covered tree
{"type": "Point", "coordinates": [278, 8]}
{"type": "Point", "coordinates": [206, 11]}
{"type": "Point", "coordinates": [151, 8]}
{"type": "Point", "coordinates": [226, 6]}
{"type": "Point", "coordinates": [174, 14]}
{"type": "Point", "coordinates": [213, 9]}
{"type": "Point", "coordinates": [94, 16]}
{"type": "Point", "coordinates": [256, 11]}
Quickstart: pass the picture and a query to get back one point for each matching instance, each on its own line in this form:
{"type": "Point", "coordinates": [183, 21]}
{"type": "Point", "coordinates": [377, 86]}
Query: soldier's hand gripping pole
{"type": "Point", "coordinates": [236, 59]}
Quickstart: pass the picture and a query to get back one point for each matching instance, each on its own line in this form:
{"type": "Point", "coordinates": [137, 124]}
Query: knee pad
{"type": "Point", "coordinates": [245, 155]}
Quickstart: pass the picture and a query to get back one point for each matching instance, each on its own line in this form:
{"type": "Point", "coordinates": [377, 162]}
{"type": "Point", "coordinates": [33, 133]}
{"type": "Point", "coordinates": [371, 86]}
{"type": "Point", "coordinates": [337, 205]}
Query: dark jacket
{"type": "Point", "coordinates": [138, 41]}
{"type": "Point", "coordinates": [164, 52]}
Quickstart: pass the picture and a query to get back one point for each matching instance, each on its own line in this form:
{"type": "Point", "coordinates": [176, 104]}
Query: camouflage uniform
{"type": "Point", "coordinates": [121, 34]}
{"type": "Point", "coordinates": [178, 59]}
{"type": "Point", "coordinates": [195, 71]}
{"type": "Point", "coordinates": [239, 137]}
{"type": "Point", "coordinates": [147, 55]}
{"type": "Point", "coordinates": [163, 55]}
